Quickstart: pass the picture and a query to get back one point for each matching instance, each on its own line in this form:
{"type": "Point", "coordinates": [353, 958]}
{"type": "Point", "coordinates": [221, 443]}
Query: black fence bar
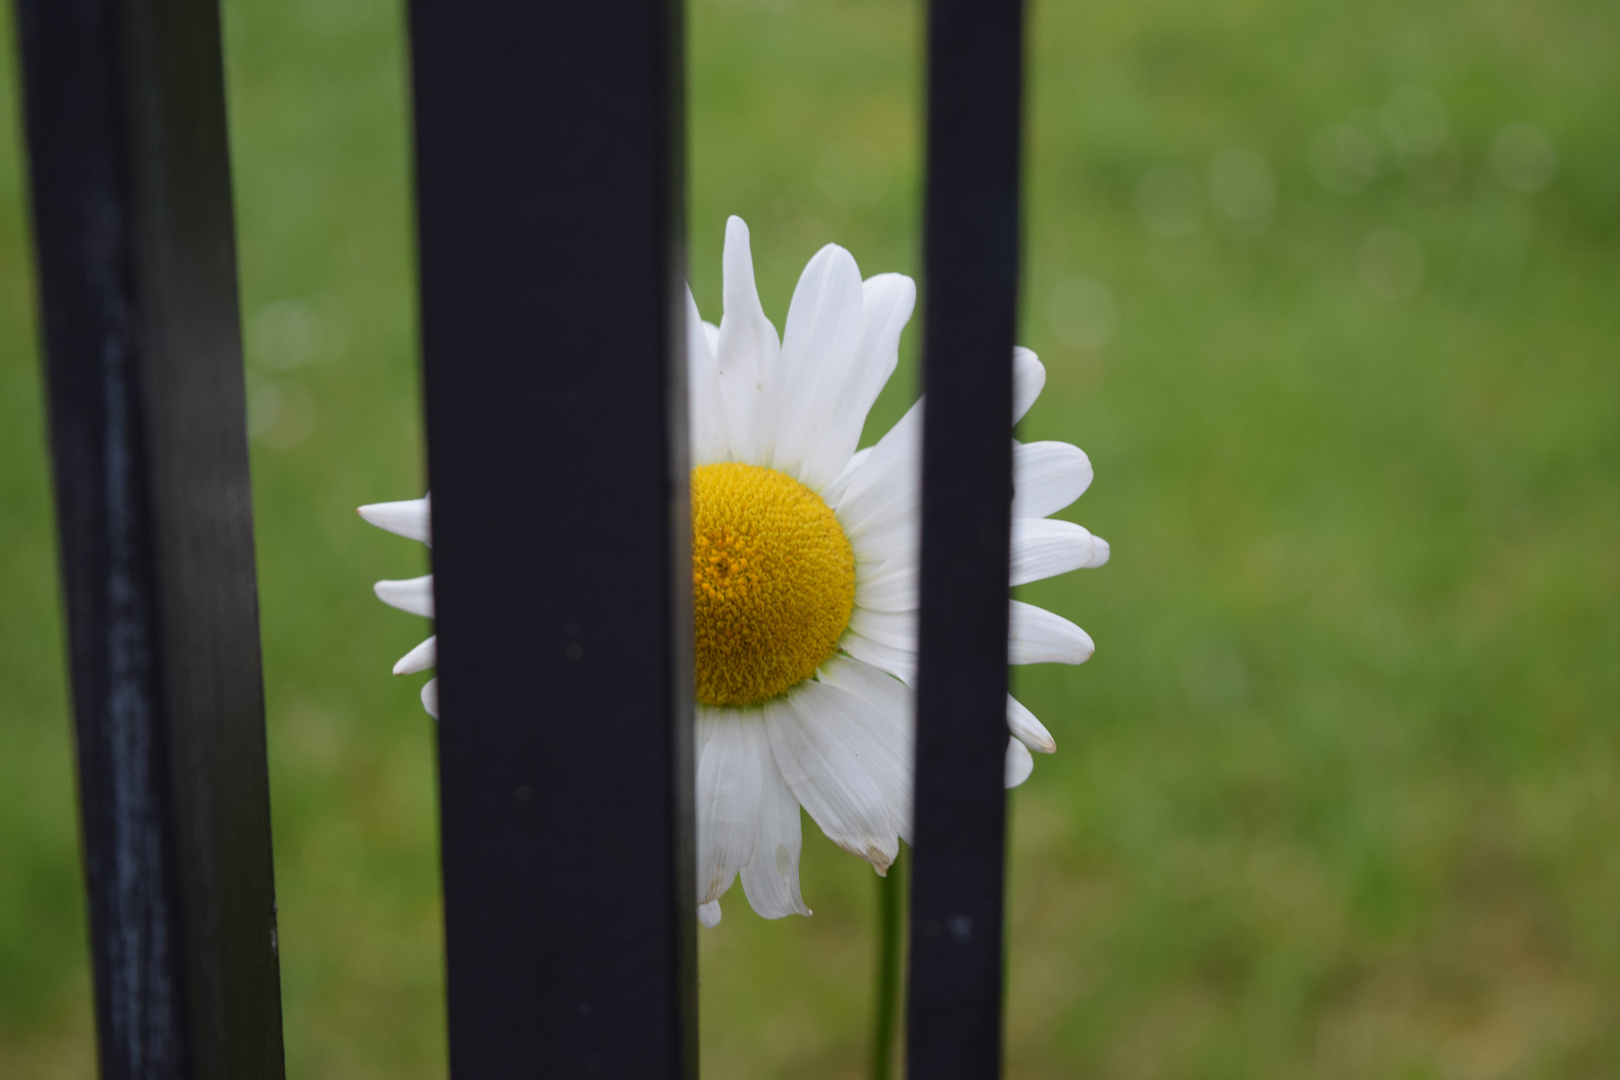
{"type": "Point", "coordinates": [125, 107]}
{"type": "Point", "coordinates": [970, 277]}
{"type": "Point", "coordinates": [550, 215]}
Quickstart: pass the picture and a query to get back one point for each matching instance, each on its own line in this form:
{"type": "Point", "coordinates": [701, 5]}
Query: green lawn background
{"type": "Point", "coordinates": [1339, 795]}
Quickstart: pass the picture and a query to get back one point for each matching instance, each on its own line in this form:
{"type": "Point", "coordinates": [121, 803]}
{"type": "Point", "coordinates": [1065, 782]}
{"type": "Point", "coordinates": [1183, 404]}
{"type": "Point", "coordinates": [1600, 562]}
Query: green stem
{"type": "Point", "coordinates": [886, 1003]}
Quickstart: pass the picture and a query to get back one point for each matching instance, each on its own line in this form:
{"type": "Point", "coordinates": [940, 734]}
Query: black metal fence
{"type": "Point", "coordinates": [549, 159]}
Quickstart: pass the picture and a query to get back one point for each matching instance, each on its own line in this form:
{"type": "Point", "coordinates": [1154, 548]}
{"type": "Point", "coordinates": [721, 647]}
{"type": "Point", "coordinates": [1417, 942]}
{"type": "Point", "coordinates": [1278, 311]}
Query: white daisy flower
{"type": "Point", "coordinates": [804, 576]}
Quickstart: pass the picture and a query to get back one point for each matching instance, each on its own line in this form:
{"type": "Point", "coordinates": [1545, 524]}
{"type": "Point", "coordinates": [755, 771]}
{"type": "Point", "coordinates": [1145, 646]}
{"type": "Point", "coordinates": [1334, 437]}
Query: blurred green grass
{"type": "Point", "coordinates": [1339, 795]}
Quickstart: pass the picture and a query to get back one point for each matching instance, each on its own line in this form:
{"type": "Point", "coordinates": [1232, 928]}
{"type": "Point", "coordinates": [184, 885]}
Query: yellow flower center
{"type": "Point", "coordinates": [773, 582]}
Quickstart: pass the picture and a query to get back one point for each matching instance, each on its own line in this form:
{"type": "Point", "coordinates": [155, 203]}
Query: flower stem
{"type": "Point", "coordinates": [886, 1003]}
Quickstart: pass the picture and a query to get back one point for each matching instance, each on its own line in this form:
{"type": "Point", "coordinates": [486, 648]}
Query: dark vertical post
{"type": "Point", "coordinates": [970, 278]}
{"type": "Point", "coordinates": [125, 103]}
{"type": "Point", "coordinates": [550, 215]}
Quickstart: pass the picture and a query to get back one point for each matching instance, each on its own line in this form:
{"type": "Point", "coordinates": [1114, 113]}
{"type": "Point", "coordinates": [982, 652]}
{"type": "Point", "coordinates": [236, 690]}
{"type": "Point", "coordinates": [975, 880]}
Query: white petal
{"type": "Point", "coordinates": [1029, 377]}
{"type": "Point", "coordinates": [1099, 553]}
{"type": "Point", "coordinates": [894, 539]}
{"type": "Point", "coordinates": [1027, 729]}
{"type": "Point", "coordinates": [886, 738]}
{"type": "Point", "coordinates": [1047, 476]}
{"type": "Point", "coordinates": [430, 697]}
{"type": "Point", "coordinates": [831, 388]}
{"type": "Point", "coordinates": [709, 914]}
{"type": "Point", "coordinates": [819, 366]}
{"type": "Point", "coordinates": [834, 492]}
{"type": "Point", "coordinates": [897, 629]}
{"type": "Point", "coordinates": [412, 518]}
{"type": "Point", "coordinates": [711, 334]}
{"type": "Point", "coordinates": [886, 586]}
{"type": "Point", "coordinates": [748, 352]}
{"type": "Point", "coordinates": [771, 878]}
{"type": "Point", "coordinates": [1019, 763]}
{"type": "Point", "coordinates": [854, 462]}
{"type": "Point", "coordinates": [420, 658]}
{"type": "Point", "coordinates": [886, 487]}
{"type": "Point", "coordinates": [706, 407]}
{"type": "Point", "coordinates": [809, 730]}
{"type": "Point", "coordinates": [879, 492]}
{"type": "Point", "coordinates": [1036, 636]}
{"type": "Point", "coordinates": [1043, 548]}
{"type": "Point", "coordinates": [414, 595]}
{"type": "Point", "coordinates": [727, 806]}
{"type": "Point", "coordinates": [901, 663]}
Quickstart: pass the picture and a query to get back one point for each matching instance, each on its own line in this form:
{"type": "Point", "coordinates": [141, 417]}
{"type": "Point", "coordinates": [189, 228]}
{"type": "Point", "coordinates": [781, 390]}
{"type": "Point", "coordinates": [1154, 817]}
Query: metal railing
{"type": "Point", "coordinates": [549, 161]}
